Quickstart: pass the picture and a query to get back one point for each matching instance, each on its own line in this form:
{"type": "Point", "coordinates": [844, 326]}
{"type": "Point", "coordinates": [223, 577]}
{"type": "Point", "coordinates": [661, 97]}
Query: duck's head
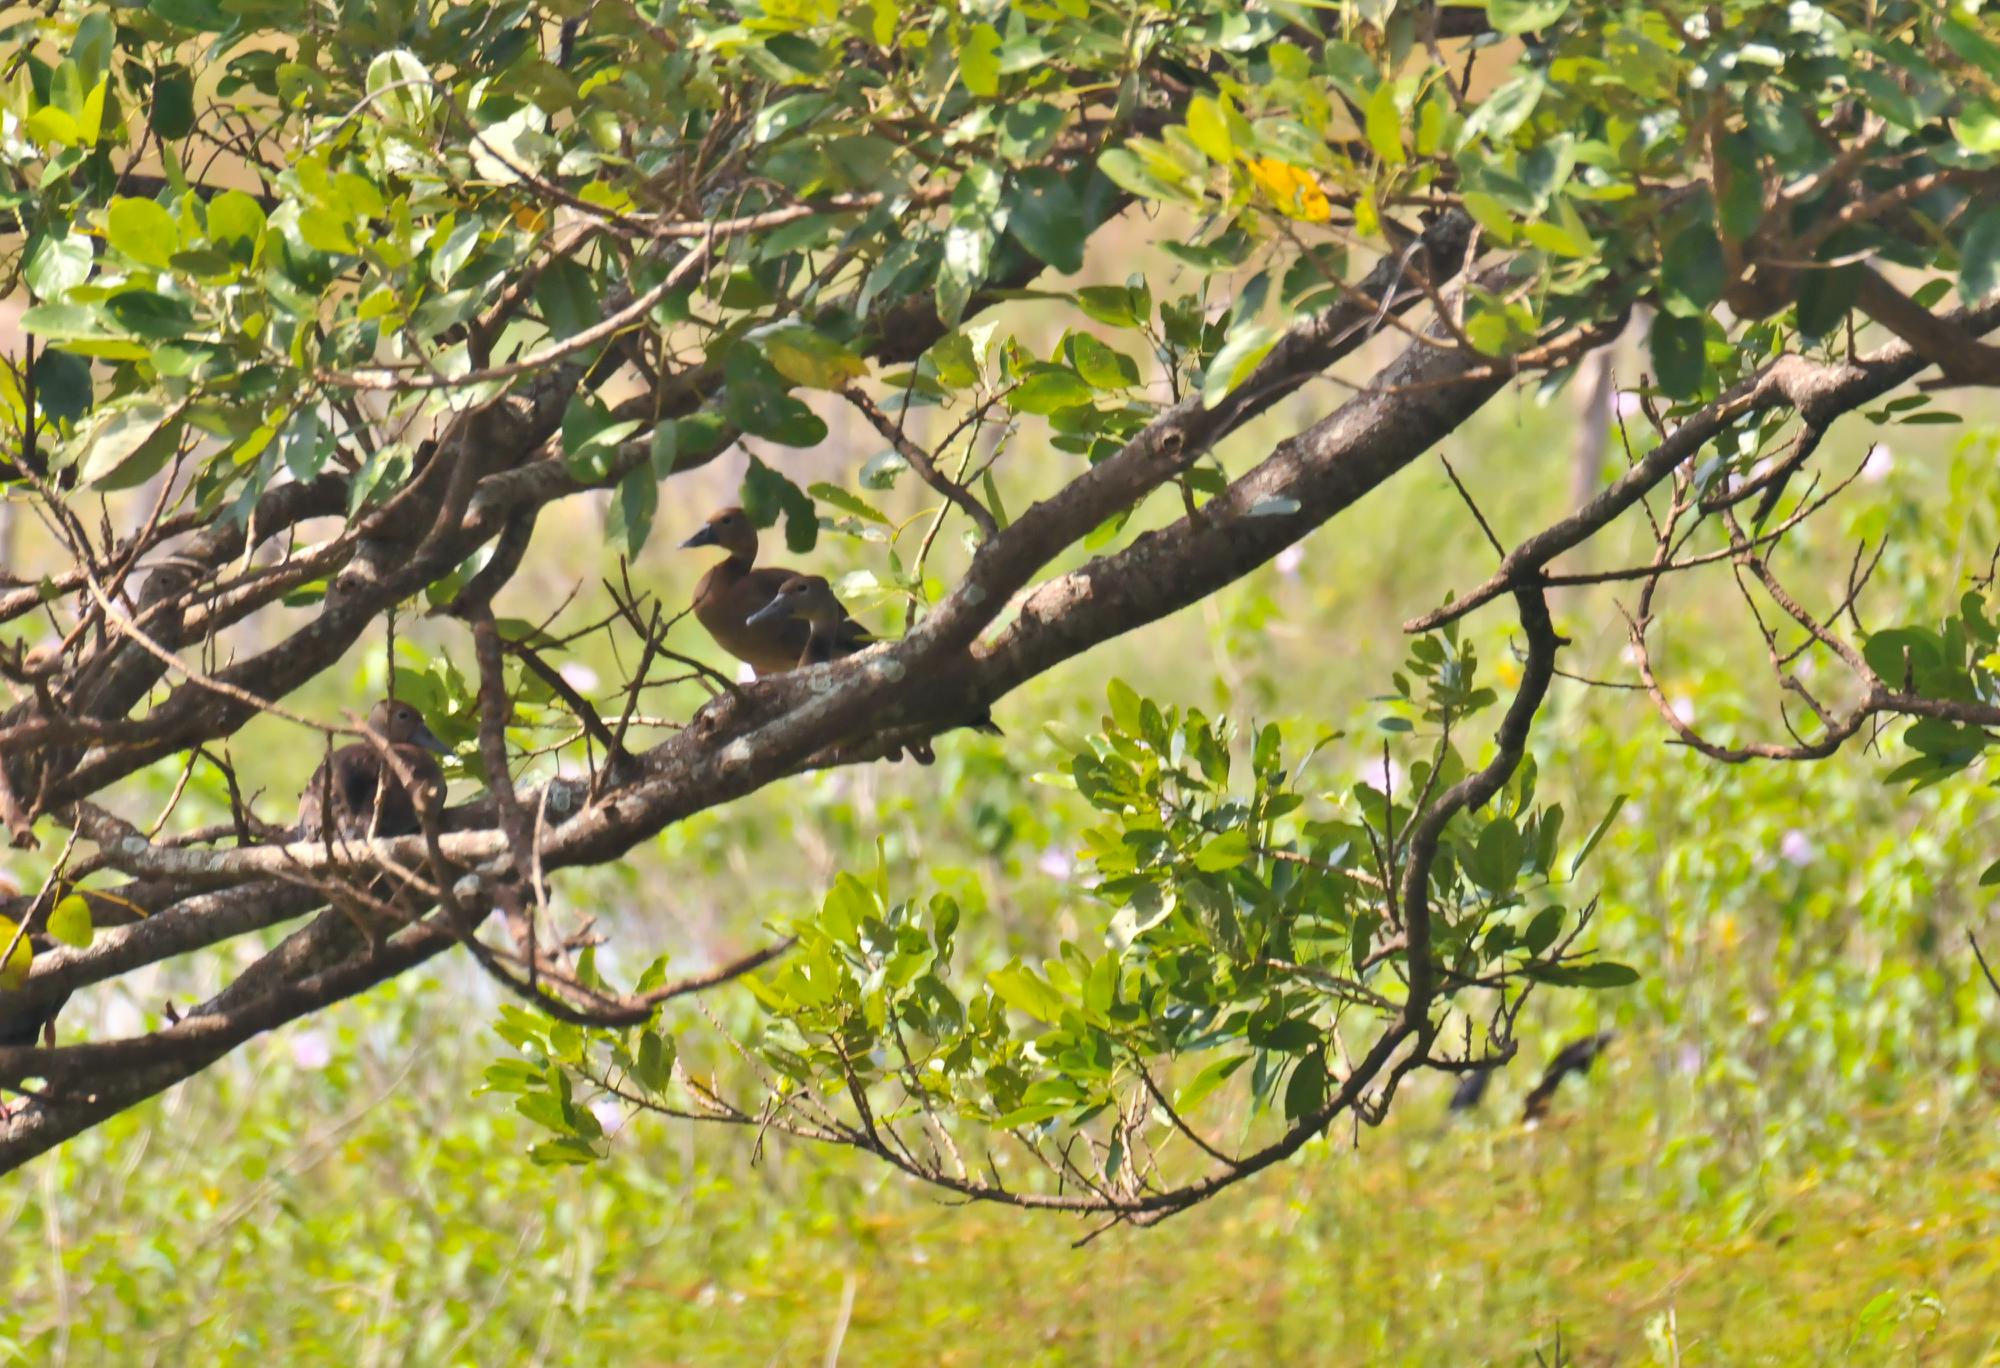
{"type": "Point", "coordinates": [400, 724]}
{"type": "Point", "coordinates": [729, 528]}
{"type": "Point", "coordinates": [802, 596]}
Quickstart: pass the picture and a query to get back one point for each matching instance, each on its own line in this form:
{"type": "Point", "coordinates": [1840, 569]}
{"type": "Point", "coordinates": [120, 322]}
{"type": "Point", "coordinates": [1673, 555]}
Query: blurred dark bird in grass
{"type": "Point", "coordinates": [1573, 1058]}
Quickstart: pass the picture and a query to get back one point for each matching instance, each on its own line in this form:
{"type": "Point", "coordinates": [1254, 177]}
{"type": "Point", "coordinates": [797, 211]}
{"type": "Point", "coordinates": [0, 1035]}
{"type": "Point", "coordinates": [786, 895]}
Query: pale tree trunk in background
{"type": "Point", "coordinates": [1593, 425]}
{"type": "Point", "coordinates": [1594, 397]}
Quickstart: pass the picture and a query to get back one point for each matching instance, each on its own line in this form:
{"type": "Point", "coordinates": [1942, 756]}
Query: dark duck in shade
{"type": "Point", "coordinates": [735, 591]}
{"type": "Point", "coordinates": [34, 1025]}
{"type": "Point", "coordinates": [356, 792]}
{"type": "Point", "coordinates": [832, 635]}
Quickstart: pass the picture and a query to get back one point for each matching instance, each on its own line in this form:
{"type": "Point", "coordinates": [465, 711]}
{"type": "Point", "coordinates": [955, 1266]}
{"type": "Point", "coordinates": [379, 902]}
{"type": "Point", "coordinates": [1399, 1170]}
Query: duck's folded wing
{"type": "Point", "coordinates": [312, 805]}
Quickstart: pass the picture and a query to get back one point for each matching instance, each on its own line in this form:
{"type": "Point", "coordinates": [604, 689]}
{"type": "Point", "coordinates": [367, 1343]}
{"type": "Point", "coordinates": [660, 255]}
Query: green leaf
{"type": "Point", "coordinates": [1049, 388]}
{"type": "Point", "coordinates": [126, 443]}
{"type": "Point", "coordinates": [979, 60]}
{"type": "Point", "coordinates": [566, 295]}
{"type": "Point", "coordinates": [954, 361]}
{"type": "Point", "coordinates": [1028, 130]}
{"type": "Point", "coordinates": [880, 470]}
{"type": "Point", "coordinates": [63, 387]}
{"type": "Point", "coordinates": [171, 113]}
{"type": "Point", "coordinates": [1979, 256]}
{"type": "Point", "coordinates": [1100, 365]}
{"type": "Point", "coordinates": [1825, 297]}
{"type": "Point", "coordinates": [1047, 218]}
{"type": "Point", "coordinates": [1247, 345]}
{"type": "Point", "coordinates": [236, 224]}
{"type": "Point", "coordinates": [1524, 16]}
{"type": "Point", "coordinates": [766, 494]}
{"type": "Point", "coordinates": [590, 438]}
{"type": "Point", "coordinates": [1971, 44]}
{"type": "Point", "coordinates": [757, 402]}
{"type": "Point", "coordinates": [1895, 650]}
{"type": "Point", "coordinates": [70, 922]}
{"type": "Point", "coordinates": [1026, 991]}
{"type": "Point", "coordinates": [1597, 834]}
{"type": "Point", "coordinates": [1600, 974]}
{"type": "Point", "coordinates": [1125, 706]}
{"type": "Point", "coordinates": [653, 1066]}
{"type": "Point", "coordinates": [149, 314]}
{"type": "Point", "coordinates": [684, 443]}
{"type": "Point", "coordinates": [847, 503]}
{"type": "Point", "coordinates": [1496, 862]}
{"type": "Point", "coordinates": [51, 126]}
{"type": "Point", "coordinates": [1505, 110]}
{"type": "Point", "coordinates": [1692, 270]}
{"type": "Point", "coordinates": [300, 443]}
{"type": "Point", "coordinates": [399, 87]}
{"type": "Point", "coordinates": [1112, 305]}
{"type": "Point", "coordinates": [1306, 1092]}
{"type": "Point", "coordinates": [794, 112]}
{"type": "Point", "coordinates": [1543, 930]}
{"type": "Point", "coordinates": [1213, 1076]}
{"type": "Point", "coordinates": [142, 230]}
{"type": "Point", "coordinates": [568, 1150]}
{"type": "Point", "coordinates": [1385, 125]}
{"type": "Point", "coordinates": [1208, 126]}
{"type": "Point", "coordinates": [968, 251]}
{"type": "Point", "coordinates": [631, 513]}
{"type": "Point", "coordinates": [1680, 361]}
{"type": "Point", "coordinates": [1226, 851]}
{"type": "Point", "coordinates": [203, 16]}
{"type": "Point", "coordinates": [57, 264]}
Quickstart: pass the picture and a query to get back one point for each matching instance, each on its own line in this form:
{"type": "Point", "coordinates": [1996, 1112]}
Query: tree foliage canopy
{"type": "Point", "coordinates": [412, 275]}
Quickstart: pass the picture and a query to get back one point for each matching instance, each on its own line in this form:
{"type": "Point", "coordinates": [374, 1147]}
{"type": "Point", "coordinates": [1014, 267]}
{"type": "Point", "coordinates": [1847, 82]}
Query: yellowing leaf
{"type": "Point", "coordinates": [14, 971]}
{"type": "Point", "coordinates": [1208, 125]}
{"type": "Point", "coordinates": [805, 356]}
{"type": "Point", "coordinates": [69, 921]}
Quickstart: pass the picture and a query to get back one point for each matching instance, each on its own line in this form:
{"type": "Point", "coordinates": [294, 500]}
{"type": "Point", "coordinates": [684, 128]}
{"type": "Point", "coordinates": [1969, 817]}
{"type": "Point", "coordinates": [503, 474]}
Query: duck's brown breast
{"type": "Point", "coordinates": [354, 793]}
{"type": "Point", "coordinates": [724, 602]}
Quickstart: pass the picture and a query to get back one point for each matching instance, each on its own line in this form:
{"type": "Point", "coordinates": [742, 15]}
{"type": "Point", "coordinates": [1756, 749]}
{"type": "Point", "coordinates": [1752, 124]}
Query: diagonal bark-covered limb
{"type": "Point", "coordinates": [484, 498]}
{"type": "Point", "coordinates": [1939, 339]}
{"type": "Point", "coordinates": [101, 1080]}
{"type": "Point", "coordinates": [193, 923]}
{"type": "Point", "coordinates": [1415, 403]}
{"type": "Point", "coordinates": [781, 725]}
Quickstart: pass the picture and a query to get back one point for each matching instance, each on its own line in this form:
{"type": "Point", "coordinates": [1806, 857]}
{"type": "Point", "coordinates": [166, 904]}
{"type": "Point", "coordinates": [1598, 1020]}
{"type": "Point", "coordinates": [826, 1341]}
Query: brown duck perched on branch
{"type": "Point", "coordinates": [360, 792]}
{"type": "Point", "coordinates": [732, 593]}
{"type": "Point", "coordinates": [832, 635]}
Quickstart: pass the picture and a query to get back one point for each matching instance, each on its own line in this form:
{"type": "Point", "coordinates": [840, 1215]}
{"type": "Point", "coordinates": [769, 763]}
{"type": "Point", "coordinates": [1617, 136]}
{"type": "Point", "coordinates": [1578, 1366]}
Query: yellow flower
{"type": "Point", "coordinates": [1293, 189]}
